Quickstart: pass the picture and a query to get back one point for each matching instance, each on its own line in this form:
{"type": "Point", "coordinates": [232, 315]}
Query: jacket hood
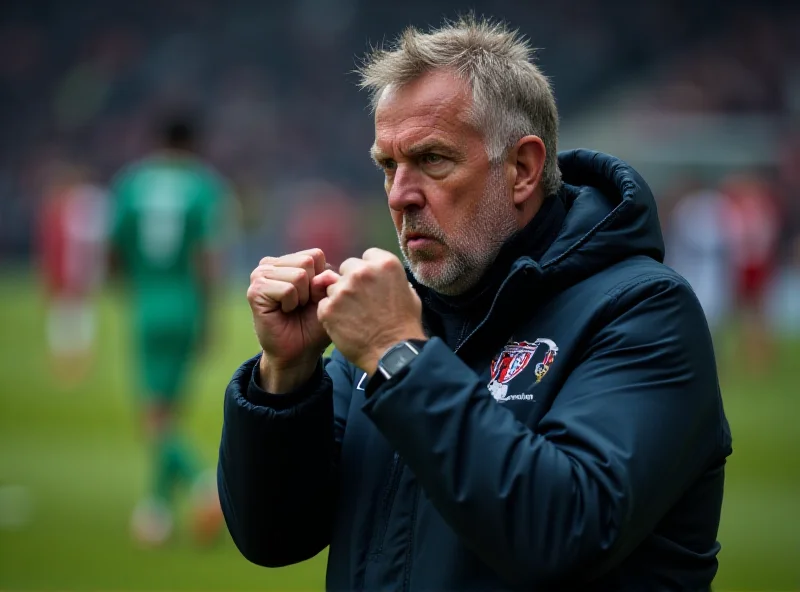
{"type": "Point", "coordinates": [611, 216]}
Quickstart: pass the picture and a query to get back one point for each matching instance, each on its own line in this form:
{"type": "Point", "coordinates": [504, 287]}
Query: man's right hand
{"type": "Point", "coordinates": [283, 296]}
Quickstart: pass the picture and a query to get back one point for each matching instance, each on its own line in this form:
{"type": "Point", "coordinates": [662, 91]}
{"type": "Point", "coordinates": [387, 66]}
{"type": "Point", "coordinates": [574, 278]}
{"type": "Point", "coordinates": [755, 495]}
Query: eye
{"type": "Point", "coordinates": [387, 164]}
{"type": "Point", "coordinates": [432, 159]}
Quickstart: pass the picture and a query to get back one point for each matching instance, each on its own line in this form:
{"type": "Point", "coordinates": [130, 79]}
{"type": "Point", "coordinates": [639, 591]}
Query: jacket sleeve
{"type": "Point", "coordinates": [636, 421]}
{"type": "Point", "coordinates": [278, 460]}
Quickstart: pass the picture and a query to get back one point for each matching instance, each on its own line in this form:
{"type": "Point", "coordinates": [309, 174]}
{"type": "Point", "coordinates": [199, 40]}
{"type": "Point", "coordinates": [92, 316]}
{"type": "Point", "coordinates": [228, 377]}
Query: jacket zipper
{"type": "Point", "coordinates": [488, 314]}
{"type": "Point", "coordinates": [409, 551]}
{"type": "Point", "coordinates": [396, 471]}
{"type": "Point", "coordinates": [410, 545]}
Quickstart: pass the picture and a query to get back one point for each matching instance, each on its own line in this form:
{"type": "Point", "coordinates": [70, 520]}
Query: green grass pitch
{"type": "Point", "coordinates": [78, 455]}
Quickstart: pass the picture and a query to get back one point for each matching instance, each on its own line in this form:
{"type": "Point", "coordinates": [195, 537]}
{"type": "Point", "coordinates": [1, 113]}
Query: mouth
{"type": "Point", "coordinates": [415, 240]}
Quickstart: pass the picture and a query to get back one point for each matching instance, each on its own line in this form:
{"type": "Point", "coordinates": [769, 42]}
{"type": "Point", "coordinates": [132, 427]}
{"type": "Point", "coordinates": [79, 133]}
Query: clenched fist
{"type": "Point", "coordinates": [369, 307]}
{"type": "Point", "coordinates": [284, 294]}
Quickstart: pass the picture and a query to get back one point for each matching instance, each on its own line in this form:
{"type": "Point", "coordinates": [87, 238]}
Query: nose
{"type": "Point", "coordinates": [404, 189]}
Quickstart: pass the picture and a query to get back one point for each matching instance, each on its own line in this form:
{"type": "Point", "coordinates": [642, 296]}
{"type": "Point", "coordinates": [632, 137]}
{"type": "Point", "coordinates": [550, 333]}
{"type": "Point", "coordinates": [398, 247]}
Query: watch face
{"type": "Point", "coordinates": [398, 358]}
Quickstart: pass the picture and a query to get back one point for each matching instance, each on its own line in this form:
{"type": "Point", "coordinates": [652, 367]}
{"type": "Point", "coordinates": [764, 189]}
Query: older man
{"type": "Point", "coordinates": [531, 404]}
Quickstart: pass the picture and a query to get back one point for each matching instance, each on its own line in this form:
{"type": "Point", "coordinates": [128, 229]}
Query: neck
{"type": "Point", "coordinates": [531, 240]}
{"type": "Point", "coordinates": [454, 317]}
{"type": "Point", "coordinates": [527, 210]}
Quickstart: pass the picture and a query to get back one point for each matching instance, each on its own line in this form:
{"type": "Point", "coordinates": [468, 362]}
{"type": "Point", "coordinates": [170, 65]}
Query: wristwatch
{"type": "Point", "coordinates": [393, 361]}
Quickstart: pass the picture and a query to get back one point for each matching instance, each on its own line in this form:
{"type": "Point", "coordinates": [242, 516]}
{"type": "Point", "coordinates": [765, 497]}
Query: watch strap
{"type": "Point", "coordinates": [377, 379]}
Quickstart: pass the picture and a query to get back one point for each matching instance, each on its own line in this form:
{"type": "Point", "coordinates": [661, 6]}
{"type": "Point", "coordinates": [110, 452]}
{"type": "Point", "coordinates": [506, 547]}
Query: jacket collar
{"type": "Point", "coordinates": [530, 242]}
{"type": "Point", "coordinates": [513, 266]}
{"type": "Point", "coordinates": [608, 214]}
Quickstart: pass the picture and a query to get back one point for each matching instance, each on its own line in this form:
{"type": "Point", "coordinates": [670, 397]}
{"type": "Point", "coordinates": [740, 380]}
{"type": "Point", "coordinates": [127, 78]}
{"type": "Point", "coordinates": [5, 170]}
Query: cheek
{"type": "Point", "coordinates": [461, 204]}
{"type": "Point", "coordinates": [397, 219]}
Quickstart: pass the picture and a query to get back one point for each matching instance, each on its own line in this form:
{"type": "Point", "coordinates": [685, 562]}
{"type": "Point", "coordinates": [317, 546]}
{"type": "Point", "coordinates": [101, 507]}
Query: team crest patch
{"type": "Point", "coordinates": [514, 358]}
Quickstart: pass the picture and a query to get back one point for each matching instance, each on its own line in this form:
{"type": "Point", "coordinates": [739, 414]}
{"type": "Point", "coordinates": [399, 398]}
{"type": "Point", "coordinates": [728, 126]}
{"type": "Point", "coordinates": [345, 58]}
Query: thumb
{"type": "Point", "coordinates": [320, 283]}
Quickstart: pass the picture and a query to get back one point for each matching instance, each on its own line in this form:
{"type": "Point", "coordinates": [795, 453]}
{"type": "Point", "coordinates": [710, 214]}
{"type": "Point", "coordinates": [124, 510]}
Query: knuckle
{"type": "Point", "coordinates": [316, 253]}
{"type": "Point", "coordinates": [287, 290]}
{"type": "Point", "coordinates": [299, 276]}
{"type": "Point", "coordinates": [266, 260]}
{"type": "Point", "coordinates": [307, 261]}
{"type": "Point", "coordinates": [254, 292]}
{"type": "Point", "coordinates": [260, 270]}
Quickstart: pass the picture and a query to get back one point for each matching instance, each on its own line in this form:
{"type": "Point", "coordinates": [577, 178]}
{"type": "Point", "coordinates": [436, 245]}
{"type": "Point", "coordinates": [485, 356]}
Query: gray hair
{"type": "Point", "coordinates": [511, 98]}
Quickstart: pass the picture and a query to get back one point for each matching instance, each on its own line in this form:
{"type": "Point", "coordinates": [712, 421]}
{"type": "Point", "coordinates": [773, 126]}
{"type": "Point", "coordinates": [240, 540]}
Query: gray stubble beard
{"type": "Point", "coordinates": [469, 254]}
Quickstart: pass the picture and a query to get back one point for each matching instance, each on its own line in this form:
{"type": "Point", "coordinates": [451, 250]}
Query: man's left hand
{"type": "Point", "coordinates": [370, 307]}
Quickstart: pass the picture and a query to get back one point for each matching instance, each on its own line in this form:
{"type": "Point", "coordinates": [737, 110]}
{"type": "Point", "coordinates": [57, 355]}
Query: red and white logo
{"type": "Point", "coordinates": [513, 359]}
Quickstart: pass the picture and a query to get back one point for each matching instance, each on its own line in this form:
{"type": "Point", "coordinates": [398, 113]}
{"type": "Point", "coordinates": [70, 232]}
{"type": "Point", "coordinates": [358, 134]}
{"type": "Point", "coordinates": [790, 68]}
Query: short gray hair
{"type": "Point", "coordinates": [511, 98]}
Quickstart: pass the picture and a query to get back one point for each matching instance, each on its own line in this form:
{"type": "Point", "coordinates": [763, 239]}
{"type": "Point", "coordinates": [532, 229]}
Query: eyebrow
{"type": "Point", "coordinates": [432, 146]}
{"type": "Point", "coordinates": [423, 147]}
{"type": "Point", "coordinates": [376, 153]}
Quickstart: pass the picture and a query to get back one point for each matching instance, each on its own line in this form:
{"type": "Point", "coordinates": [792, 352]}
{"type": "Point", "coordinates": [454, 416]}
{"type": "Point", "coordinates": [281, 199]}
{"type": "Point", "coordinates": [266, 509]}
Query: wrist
{"type": "Point", "coordinates": [396, 360]}
{"type": "Point", "coordinates": [371, 361]}
{"type": "Point", "coordinates": [279, 378]}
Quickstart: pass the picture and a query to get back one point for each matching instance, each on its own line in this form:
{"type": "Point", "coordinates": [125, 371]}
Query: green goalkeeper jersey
{"type": "Point", "coordinates": [169, 210]}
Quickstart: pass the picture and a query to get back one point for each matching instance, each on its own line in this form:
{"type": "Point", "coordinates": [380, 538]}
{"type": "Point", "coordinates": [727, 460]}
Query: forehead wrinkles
{"type": "Point", "coordinates": [403, 139]}
{"type": "Point", "coordinates": [431, 114]}
{"type": "Point", "coordinates": [401, 135]}
{"type": "Point", "coordinates": [435, 102]}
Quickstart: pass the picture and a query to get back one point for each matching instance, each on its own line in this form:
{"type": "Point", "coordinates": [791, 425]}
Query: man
{"type": "Point", "coordinates": [596, 460]}
{"type": "Point", "coordinates": [699, 250]}
{"type": "Point", "coordinates": [72, 234]}
{"type": "Point", "coordinates": [168, 212]}
{"type": "Point", "coordinates": [752, 218]}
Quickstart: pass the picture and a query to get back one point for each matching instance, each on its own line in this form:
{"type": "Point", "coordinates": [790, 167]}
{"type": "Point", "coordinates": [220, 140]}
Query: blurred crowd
{"type": "Point", "coordinates": [751, 65]}
{"type": "Point", "coordinates": [82, 81]}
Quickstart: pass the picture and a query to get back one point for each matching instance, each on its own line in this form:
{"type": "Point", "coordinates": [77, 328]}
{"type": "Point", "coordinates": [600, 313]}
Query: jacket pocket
{"type": "Point", "coordinates": [385, 508]}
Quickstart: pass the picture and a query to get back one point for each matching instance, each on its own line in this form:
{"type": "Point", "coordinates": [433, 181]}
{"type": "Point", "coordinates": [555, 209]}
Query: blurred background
{"type": "Point", "coordinates": [702, 97]}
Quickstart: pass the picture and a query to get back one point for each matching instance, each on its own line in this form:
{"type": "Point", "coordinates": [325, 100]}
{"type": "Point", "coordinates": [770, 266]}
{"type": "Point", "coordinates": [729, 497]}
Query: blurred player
{"type": "Point", "coordinates": [698, 249]}
{"type": "Point", "coordinates": [753, 226]}
{"type": "Point", "coordinates": [323, 216]}
{"type": "Point", "coordinates": [72, 244]}
{"type": "Point", "coordinates": [167, 219]}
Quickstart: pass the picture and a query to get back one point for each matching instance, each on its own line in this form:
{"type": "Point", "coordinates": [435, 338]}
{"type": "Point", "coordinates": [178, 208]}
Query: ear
{"type": "Point", "coordinates": [528, 156]}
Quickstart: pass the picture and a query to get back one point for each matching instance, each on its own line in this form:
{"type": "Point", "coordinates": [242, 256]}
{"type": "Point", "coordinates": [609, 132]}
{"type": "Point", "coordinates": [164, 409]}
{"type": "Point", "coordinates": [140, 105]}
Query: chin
{"type": "Point", "coordinates": [443, 277]}
{"type": "Point", "coordinates": [431, 275]}
{"type": "Point", "coordinates": [425, 272]}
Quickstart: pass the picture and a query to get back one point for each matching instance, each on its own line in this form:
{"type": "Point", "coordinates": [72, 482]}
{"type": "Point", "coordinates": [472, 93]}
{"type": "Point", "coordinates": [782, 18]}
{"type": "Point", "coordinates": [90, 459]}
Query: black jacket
{"type": "Point", "coordinates": [575, 438]}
